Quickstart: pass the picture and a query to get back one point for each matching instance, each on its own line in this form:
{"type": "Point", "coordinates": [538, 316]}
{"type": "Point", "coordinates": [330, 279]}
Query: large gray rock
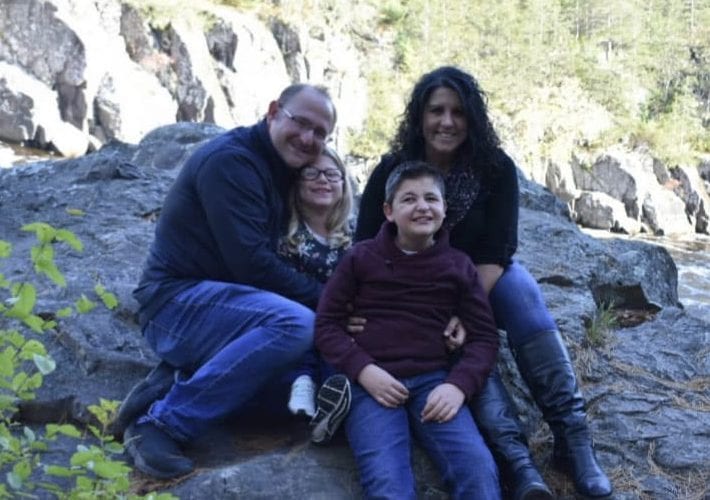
{"type": "Point", "coordinates": [632, 177]}
{"type": "Point", "coordinates": [29, 114]}
{"type": "Point", "coordinates": [691, 190]}
{"type": "Point", "coordinates": [600, 211]}
{"type": "Point", "coordinates": [645, 389]}
{"type": "Point", "coordinates": [76, 53]}
{"type": "Point", "coordinates": [101, 65]}
{"type": "Point", "coordinates": [665, 213]}
{"type": "Point", "coordinates": [620, 175]}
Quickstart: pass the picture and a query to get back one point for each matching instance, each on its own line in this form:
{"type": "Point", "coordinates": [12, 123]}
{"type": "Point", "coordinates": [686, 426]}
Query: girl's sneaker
{"type": "Point", "coordinates": [333, 406]}
{"type": "Point", "coordinates": [303, 395]}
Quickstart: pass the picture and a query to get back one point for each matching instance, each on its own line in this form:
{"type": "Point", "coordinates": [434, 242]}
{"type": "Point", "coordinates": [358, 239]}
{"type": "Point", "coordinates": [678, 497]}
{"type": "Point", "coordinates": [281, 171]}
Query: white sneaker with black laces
{"type": "Point", "coordinates": [303, 396]}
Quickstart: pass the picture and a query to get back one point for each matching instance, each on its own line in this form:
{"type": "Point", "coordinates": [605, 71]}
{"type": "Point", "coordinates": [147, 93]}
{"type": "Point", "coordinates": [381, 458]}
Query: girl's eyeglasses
{"type": "Point", "coordinates": [312, 173]}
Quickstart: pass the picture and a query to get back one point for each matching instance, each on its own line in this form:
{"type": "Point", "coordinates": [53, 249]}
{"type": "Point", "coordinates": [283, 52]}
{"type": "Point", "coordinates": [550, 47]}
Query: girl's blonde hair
{"type": "Point", "coordinates": [338, 222]}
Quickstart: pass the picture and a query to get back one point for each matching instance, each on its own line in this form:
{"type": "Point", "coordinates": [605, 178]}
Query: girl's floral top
{"type": "Point", "coordinates": [312, 255]}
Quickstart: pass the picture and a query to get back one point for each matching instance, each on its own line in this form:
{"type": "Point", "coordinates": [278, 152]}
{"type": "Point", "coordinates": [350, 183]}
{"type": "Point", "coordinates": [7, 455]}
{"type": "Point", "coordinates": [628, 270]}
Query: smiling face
{"type": "Point", "coordinates": [418, 210]}
{"type": "Point", "coordinates": [321, 193]}
{"type": "Point", "coordinates": [298, 126]}
{"type": "Point", "coordinates": [444, 127]}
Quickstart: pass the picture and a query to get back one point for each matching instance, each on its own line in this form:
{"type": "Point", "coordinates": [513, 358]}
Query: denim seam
{"type": "Point", "coordinates": [269, 341]}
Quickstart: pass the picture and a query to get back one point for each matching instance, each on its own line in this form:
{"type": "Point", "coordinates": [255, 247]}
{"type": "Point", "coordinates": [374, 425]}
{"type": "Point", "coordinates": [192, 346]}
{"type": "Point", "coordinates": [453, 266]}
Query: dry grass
{"type": "Point", "coordinates": [699, 386]}
{"type": "Point", "coordinates": [598, 329]}
{"type": "Point", "coordinates": [690, 485]}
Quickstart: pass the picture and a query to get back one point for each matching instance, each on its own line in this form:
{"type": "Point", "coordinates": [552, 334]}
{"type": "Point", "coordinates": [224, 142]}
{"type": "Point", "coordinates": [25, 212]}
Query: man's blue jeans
{"type": "Point", "coordinates": [235, 339]}
{"type": "Point", "coordinates": [380, 439]}
{"type": "Point", "coordinates": [519, 307]}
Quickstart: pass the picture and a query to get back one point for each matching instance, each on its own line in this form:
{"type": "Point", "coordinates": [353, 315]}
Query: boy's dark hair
{"type": "Point", "coordinates": [412, 170]}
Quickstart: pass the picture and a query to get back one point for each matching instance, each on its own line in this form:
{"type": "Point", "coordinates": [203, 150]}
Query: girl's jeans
{"type": "Point", "coordinates": [518, 306]}
{"type": "Point", "coordinates": [235, 339]}
{"type": "Point", "coordinates": [380, 439]}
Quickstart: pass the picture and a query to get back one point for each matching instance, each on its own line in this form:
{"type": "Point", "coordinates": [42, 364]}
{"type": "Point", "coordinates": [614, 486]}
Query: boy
{"type": "Point", "coordinates": [407, 282]}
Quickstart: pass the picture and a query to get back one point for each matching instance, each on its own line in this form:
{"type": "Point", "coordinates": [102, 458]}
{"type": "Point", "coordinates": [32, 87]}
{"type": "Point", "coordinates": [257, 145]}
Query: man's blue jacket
{"type": "Point", "coordinates": [221, 221]}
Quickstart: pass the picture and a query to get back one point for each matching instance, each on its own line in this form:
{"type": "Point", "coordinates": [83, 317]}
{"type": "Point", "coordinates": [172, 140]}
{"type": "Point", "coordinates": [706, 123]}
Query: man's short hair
{"type": "Point", "coordinates": [408, 170]}
{"type": "Point", "coordinates": [293, 89]}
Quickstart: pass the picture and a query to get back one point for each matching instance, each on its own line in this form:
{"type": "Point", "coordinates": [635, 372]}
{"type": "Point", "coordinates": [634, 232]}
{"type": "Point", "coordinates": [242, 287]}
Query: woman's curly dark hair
{"type": "Point", "coordinates": [481, 146]}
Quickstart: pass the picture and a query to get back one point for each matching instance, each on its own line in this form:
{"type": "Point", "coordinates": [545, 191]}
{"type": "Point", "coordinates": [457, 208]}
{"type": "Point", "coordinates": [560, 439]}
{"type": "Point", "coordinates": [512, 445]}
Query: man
{"type": "Point", "coordinates": [215, 299]}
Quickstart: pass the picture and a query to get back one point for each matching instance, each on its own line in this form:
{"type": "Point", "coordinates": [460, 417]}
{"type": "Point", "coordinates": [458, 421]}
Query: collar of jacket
{"type": "Point", "coordinates": [385, 240]}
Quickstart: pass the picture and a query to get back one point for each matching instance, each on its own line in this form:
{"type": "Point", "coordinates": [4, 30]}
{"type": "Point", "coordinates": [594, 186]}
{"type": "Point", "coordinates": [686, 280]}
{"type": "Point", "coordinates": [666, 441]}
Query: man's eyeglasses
{"type": "Point", "coordinates": [303, 123]}
{"type": "Point", "coordinates": [312, 173]}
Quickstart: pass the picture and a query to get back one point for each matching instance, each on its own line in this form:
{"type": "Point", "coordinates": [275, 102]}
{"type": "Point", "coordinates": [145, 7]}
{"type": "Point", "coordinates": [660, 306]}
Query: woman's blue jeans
{"type": "Point", "coordinates": [235, 339]}
{"type": "Point", "coordinates": [519, 307]}
{"type": "Point", "coordinates": [380, 440]}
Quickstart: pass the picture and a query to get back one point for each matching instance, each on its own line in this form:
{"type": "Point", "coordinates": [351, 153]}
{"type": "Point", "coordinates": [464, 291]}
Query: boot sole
{"type": "Point", "coordinates": [333, 405]}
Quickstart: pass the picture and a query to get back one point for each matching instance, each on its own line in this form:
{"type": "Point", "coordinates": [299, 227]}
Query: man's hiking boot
{"type": "Point", "coordinates": [136, 403]}
{"type": "Point", "coordinates": [154, 452]}
{"type": "Point", "coordinates": [333, 405]}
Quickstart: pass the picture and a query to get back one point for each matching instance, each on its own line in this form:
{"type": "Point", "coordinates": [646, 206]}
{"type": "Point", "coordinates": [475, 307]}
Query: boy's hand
{"type": "Point", "coordinates": [443, 403]}
{"type": "Point", "coordinates": [356, 324]}
{"type": "Point", "coordinates": [383, 387]}
{"type": "Point", "coordinates": [454, 334]}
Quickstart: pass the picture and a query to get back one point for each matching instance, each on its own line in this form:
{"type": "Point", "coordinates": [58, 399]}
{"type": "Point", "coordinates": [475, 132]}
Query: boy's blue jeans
{"type": "Point", "coordinates": [235, 339]}
{"type": "Point", "coordinates": [380, 439]}
{"type": "Point", "coordinates": [519, 307]}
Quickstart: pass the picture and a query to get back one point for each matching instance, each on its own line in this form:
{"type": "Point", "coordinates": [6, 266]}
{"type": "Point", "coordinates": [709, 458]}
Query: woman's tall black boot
{"type": "Point", "coordinates": [546, 367]}
{"type": "Point", "coordinates": [495, 416]}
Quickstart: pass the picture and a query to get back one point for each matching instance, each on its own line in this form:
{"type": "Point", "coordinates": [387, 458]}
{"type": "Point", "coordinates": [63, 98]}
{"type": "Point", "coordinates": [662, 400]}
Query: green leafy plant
{"type": "Point", "coordinates": [95, 469]}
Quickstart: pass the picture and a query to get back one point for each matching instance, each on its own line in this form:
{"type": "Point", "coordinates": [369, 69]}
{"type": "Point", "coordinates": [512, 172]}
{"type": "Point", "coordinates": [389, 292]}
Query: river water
{"type": "Point", "coordinates": [692, 257]}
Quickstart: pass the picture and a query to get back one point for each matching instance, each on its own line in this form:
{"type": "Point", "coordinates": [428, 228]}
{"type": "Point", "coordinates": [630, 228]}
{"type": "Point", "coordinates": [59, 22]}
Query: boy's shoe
{"type": "Point", "coordinates": [153, 387]}
{"type": "Point", "coordinates": [154, 452]}
{"type": "Point", "coordinates": [333, 406]}
{"type": "Point", "coordinates": [303, 395]}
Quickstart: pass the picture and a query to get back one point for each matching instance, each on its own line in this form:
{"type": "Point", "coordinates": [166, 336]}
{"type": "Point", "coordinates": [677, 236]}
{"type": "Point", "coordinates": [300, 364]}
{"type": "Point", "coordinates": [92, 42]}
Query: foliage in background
{"type": "Point", "coordinates": [94, 470]}
{"type": "Point", "coordinates": [647, 63]}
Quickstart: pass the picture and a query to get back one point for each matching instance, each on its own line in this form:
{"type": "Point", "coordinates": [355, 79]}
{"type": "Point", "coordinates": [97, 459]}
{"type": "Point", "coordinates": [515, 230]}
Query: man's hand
{"type": "Point", "coordinates": [443, 403]}
{"type": "Point", "coordinates": [356, 324]}
{"type": "Point", "coordinates": [454, 334]}
{"type": "Point", "coordinates": [383, 387]}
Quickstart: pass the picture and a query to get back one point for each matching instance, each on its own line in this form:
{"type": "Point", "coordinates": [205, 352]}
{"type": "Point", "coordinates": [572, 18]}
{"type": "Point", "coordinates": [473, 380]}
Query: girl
{"type": "Point", "coordinates": [319, 233]}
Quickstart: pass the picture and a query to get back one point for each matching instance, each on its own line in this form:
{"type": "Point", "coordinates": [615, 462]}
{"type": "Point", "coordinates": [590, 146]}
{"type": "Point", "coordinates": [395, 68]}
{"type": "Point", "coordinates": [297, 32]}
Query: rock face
{"type": "Point", "coordinates": [76, 74]}
{"type": "Point", "coordinates": [646, 387]}
{"type": "Point", "coordinates": [99, 66]}
{"type": "Point", "coordinates": [645, 189]}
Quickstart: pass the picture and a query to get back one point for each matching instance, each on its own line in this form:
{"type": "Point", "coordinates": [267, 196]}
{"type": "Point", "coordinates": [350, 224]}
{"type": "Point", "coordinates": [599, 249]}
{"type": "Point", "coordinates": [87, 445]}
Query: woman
{"type": "Point", "coordinates": [318, 234]}
{"type": "Point", "coordinates": [446, 124]}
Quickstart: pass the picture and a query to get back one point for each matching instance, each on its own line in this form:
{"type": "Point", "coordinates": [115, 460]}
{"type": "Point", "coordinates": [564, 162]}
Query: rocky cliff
{"type": "Point", "coordinates": [76, 74]}
{"type": "Point", "coordinates": [646, 381]}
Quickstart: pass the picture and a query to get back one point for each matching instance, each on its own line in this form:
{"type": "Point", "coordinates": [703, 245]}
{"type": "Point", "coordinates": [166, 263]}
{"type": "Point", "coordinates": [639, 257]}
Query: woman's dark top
{"type": "Point", "coordinates": [487, 232]}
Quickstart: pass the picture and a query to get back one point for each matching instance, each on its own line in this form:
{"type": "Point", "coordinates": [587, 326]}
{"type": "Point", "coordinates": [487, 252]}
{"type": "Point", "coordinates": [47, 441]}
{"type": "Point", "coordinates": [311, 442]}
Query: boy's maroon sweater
{"type": "Point", "coordinates": [407, 300]}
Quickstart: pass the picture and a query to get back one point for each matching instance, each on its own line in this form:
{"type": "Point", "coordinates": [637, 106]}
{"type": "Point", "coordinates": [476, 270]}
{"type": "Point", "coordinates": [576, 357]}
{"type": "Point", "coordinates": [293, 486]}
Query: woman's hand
{"type": "Point", "coordinates": [356, 324]}
{"type": "Point", "coordinates": [454, 334]}
{"type": "Point", "coordinates": [383, 387]}
{"type": "Point", "coordinates": [443, 403]}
